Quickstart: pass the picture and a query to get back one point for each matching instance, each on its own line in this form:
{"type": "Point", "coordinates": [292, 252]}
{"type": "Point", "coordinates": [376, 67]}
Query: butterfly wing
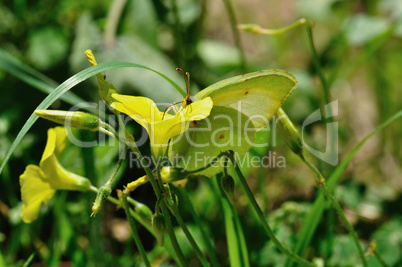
{"type": "Point", "coordinates": [257, 95]}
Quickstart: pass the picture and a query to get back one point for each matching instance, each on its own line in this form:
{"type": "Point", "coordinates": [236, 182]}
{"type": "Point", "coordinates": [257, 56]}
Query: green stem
{"type": "Point", "coordinates": [204, 235]}
{"type": "Point", "coordinates": [115, 171]}
{"type": "Point", "coordinates": [259, 30]}
{"type": "Point", "coordinates": [231, 231]}
{"type": "Point", "coordinates": [133, 213]}
{"type": "Point", "coordinates": [169, 228]}
{"type": "Point", "coordinates": [179, 219]}
{"type": "Point", "coordinates": [380, 259]}
{"type": "Point", "coordinates": [323, 186]}
{"type": "Point", "coordinates": [260, 214]}
{"type": "Point", "coordinates": [112, 21]}
{"type": "Point", "coordinates": [308, 24]}
{"type": "Point", "coordinates": [134, 231]}
{"type": "Point", "coordinates": [318, 68]}
{"type": "Point", "coordinates": [214, 160]}
{"type": "Point", "coordinates": [236, 35]}
{"type": "Point", "coordinates": [131, 144]}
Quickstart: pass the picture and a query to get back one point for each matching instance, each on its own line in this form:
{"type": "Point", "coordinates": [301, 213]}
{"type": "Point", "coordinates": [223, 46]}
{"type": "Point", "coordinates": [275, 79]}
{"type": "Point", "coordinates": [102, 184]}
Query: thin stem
{"type": "Point", "coordinates": [112, 21]}
{"type": "Point", "coordinates": [134, 230]}
{"type": "Point", "coordinates": [318, 68]}
{"type": "Point", "coordinates": [323, 186]}
{"type": "Point", "coordinates": [133, 213]}
{"type": "Point", "coordinates": [169, 225]}
{"type": "Point", "coordinates": [197, 219]}
{"type": "Point", "coordinates": [116, 170]}
{"type": "Point", "coordinates": [157, 191]}
{"type": "Point", "coordinates": [236, 35]}
{"type": "Point", "coordinates": [259, 30]}
{"type": "Point", "coordinates": [256, 29]}
{"type": "Point", "coordinates": [169, 228]}
{"type": "Point", "coordinates": [179, 219]}
{"type": "Point", "coordinates": [380, 258]}
{"type": "Point", "coordinates": [108, 129]}
{"type": "Point", "coordinates": [214, 160]}
{"type": "Point", "coordinates": [260, 214]}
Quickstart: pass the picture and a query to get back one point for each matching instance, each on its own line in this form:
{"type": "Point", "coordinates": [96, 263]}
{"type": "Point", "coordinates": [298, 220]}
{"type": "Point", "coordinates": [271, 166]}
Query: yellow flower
{"type": "Point", "coordinates": [39, 183]}
{"type": "Point", "coordinates": [161, 127]}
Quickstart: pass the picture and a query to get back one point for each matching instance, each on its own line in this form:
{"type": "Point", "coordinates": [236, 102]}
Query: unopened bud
{"type": "Point", "coordinates": [103, 193]}
{"type": "Point", "coordinates": [289, 132]}
{"type": "Point", "coordinates": [253, 28]}
{"type": "Point", "coordinates": [144, 211]}
{"type": "Point", "coordinates": [76, 119]}
{"type": "Point", "coordinates": [105, 89]}
{"type": "Point", "coordinates": [171, 174]}
{"type": "Point", "coordinates": [228, 186]}
{"type": "Point", "coordinates": [159, 226]}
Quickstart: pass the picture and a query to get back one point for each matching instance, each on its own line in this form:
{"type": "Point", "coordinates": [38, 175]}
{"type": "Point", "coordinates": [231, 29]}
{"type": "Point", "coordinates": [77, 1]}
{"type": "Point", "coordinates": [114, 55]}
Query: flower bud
{"type": "Point", "coordinates": [144, 211]}
{"type": "Point", "coordinates": [105, 89]}
{"type": "Point", "coordinates": [103, 193]}
{"type": "Point", "coordinates": [159, 226]}
{"type": "Point", "coordinates": [76, 119]}
{"type": "Point", "coordinates": [289, 132]}
{"type": "Point", "coordinates": [171, 174]}
{"type": "Point", "coordinates": [228, 185]}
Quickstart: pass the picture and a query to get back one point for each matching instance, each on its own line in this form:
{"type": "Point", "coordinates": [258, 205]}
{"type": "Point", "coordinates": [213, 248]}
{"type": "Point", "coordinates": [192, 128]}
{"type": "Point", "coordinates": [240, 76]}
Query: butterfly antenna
{"type": "Point", "coordinates": [188, 84]}
{"type": "Point", "coordinates": [186, 80]}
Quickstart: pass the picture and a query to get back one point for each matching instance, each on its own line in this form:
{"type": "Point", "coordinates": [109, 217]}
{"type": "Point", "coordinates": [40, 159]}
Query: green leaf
{"type": "Point", "coordinates": [389, 241]}
{"type": "Point", "coordinates": [313, 218]}
{"type": "Point", "coordinates": [361, 29]}
{"type": "Point", "coordinates": [64, 87]}
{"type": "Point", "coordinates": [47, 47]}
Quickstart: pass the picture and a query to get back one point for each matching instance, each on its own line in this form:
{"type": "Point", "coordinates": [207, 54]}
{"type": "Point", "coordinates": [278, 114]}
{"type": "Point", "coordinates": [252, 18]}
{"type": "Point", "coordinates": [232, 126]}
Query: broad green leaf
{"type": "Point", "coordinates": [45, 54]}
{"type": "Point", "coordinates": [64, 87]}
{"type": "Point", "coordinates": [225, 129]}
{"type": "Point", "coordinates": [257, 95]}
{"type": "Point", "coordinates": [130, 48]}
{"type": "Point", "coordinates": [361, 29]}
{"type": "Point", "coordinates": [313, 218]}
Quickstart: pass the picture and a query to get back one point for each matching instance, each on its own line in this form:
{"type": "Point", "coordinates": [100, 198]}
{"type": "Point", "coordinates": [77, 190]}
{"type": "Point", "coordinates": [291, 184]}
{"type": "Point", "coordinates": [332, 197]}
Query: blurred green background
{"type": "Point", "coordinates": [360, 49]}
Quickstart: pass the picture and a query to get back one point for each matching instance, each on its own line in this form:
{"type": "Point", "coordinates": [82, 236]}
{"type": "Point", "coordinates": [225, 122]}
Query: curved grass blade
{"type": "Point", "coordinates": [67, 85]}
{"type": "Point", "coordinates": [34, 78]}
{"type": "Point", "coordinates": [312, 220]}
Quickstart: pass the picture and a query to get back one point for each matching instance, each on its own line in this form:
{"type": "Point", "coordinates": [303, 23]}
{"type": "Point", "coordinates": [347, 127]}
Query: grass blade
{"type": "Point", "coordinates": [67, 85]}
{"type": "Point", "coordinates": [312, 220]}
{"type": "Point", "coordinates": [33, 77]}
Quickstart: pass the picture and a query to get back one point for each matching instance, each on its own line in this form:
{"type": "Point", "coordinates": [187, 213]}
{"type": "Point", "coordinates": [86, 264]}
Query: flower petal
{"type": "Point", "coordinates": [164, 130]}
{"type": "Point", "coordinates": [142, 109]}
{"type": "Point", "coordinates": [54, 174]}
{"type": "Point", "coordinates": [34, 192]}
{"type": "Point", "coordinates": [61, 179]}
{"type": "Point", "coordinates": [56, 141]}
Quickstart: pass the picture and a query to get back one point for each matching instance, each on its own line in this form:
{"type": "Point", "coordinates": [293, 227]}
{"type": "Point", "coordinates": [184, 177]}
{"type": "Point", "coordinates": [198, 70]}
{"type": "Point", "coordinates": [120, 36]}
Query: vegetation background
{"type": "Point", "coordinates": [360, 51]}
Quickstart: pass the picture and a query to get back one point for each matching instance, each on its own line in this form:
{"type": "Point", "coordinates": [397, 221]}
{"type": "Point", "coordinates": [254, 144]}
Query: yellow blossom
{"type": "Point", "coordinates": [39, 183]}
{"type": "Point", "coordinates": [161, 126]}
